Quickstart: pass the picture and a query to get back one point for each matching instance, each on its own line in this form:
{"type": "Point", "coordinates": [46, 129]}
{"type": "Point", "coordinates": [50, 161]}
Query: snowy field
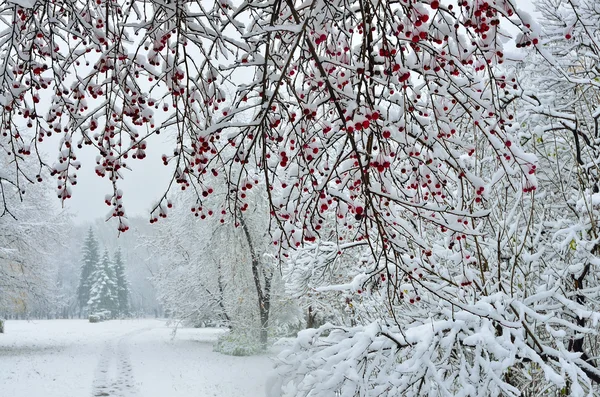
{"type": "Point", "coordinates": [130, 358]}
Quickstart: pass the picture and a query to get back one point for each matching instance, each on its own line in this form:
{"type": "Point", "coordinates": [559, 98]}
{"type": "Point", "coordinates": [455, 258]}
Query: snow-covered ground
{"type": "Point", "coordinates": [129, 358]}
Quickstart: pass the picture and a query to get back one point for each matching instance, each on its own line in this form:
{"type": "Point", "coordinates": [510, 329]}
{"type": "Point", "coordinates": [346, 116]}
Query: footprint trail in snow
{"type": "Point", "coordinates": [114, 376]}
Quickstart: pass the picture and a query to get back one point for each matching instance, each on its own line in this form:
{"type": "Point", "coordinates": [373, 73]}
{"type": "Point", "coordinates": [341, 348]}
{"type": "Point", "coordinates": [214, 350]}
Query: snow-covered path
{"type": "Point", "coordinates": [131, 358]}
{"type": "Point", "coordinates": [114, 375]}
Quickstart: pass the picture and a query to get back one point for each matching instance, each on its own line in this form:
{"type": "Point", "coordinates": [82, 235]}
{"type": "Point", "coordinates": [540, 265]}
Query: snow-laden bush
{"type": "Point", "coordinates": [238, 343]}
{"type": "Point", "coordinates": [94, 318]}
{"type": "Point", "coordinates": [100, 316]}
{"type": "Point", "coordinates": [436, 358]}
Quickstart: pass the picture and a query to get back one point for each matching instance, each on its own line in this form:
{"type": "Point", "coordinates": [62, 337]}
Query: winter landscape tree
{"type": "Point", "coordinates": [103, 284]}
{"type": "Point", "coordinates": [140, 259]}
{"type": "Point", "coordinates": [215, 273]}
{"type": "Point", "coordinates": [122, 286]}
{"type": "Point", "coordinates": [561, 124]}
{"type": "Point", "coordinates": [104, 292]}
{"type": "Point", "coordinates": [31, 232]}
{"type": "Point", "coordinates": [394, 137]}
{"type": "Point", "coordinates": [90, 261]}
{"type": "Point", "coordinates": [67, 278]}
{"type": "Point", "coordinates": [191, 279]}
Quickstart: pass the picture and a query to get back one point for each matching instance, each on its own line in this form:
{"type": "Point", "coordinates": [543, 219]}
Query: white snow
{"type": "Point", "coordinates": [128, 358]}
{"type": "Point", "coordinates": [23, 3]}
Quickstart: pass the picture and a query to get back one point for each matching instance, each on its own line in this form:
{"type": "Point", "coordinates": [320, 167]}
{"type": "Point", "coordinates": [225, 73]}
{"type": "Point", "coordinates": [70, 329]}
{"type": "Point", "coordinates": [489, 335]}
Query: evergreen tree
{"type": "Point", "coordinates": [103, 294]}
{"type": "Point", "coordinates": [122, 284]}
{"type": "Point", "coordinates": [90, 260]}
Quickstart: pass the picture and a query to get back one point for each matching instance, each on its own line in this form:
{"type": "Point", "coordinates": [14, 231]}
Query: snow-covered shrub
{"type": "Point", "coordinates": [286, 327]}
{"type": "Point", "coordinates": [100, 316]}
{"type": "Point", "coordinates": [383, 360]}
{"type": "Point", "coordinates": [105, 315]}
{"type": "Point", "coordinates": [95, 318]}
{"type": "Point", "coordinates": [237, 343]}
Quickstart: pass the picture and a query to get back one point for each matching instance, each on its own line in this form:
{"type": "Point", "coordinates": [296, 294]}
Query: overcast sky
{"type": "Point", "coordinates": [142, 186]}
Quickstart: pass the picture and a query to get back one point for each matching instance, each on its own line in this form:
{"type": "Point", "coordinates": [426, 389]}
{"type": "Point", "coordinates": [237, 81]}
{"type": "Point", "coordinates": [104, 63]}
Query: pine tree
{"type": "Point", "coordinates": [90, 260]}
{"type": "Point", "coordinates": [122, 284]}
{"type": "Point", "coordinates": [103, 294]}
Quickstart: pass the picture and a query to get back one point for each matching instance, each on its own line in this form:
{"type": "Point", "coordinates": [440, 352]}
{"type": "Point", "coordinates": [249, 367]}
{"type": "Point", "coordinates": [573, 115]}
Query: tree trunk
{"type": "Point", "coordinates": [264, 294]}
{"type": "Point", "coordinates": [1, 326]}
{"type": "Point", "coordinates": [222, 295]}
{"type": "Point", "coordinates": [310, 318]}
{"type": "Point", "coordinates": [264, 329]}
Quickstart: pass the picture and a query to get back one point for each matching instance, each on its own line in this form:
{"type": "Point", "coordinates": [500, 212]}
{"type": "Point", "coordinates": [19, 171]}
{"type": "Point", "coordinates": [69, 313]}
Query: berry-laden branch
{"type": "Point", "coordinates": [369, 112]}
